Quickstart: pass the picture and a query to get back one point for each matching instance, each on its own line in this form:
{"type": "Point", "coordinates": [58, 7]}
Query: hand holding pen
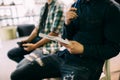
{"type": "Point", "coordinates": [70, 15]}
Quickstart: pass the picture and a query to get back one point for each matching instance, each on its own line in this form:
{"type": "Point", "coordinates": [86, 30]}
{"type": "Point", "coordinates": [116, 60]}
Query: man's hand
{"type": "Point", "coordinates": [70, 15]}
{"type": "Point", "coordinates": [74, 47]}
{"type": "Point", "coordinates": [29, 46]}
{"type": "Point", "coordinates": [25, 41]}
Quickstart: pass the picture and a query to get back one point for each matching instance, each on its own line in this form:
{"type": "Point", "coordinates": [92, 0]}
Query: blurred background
{"type": "Point", "coordinates": [25, 14]}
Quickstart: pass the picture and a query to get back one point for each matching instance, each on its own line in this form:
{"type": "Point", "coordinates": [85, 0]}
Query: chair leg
{"type": "Point", "coordinates": [107, 70]}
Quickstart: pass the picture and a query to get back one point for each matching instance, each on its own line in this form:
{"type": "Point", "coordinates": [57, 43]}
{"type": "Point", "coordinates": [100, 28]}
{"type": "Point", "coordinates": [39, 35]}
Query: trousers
{"type": "Point", "coordinates": [50, 66]}
{"type": "Point", "coordinates": [17, 54]}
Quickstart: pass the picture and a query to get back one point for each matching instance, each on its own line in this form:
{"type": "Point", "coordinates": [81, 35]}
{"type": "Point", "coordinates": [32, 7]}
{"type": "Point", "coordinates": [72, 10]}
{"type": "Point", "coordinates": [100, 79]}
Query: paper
{"type": "Point", "coordinates": [54, 38]}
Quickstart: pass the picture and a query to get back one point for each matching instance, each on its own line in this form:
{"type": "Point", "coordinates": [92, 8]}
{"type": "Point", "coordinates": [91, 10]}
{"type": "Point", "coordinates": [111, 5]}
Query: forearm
{"type": "Point", "coordinates": [101, 50]}
{"type": "Point", "coordinates": [44, 40]}
{"type": "Point", "coordinates": [32, 35]}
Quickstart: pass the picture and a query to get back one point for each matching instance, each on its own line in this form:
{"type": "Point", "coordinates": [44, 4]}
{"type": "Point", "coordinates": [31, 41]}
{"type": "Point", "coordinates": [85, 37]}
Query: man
{"type": "Point", "coordinates": [92, 28]}
{"type": "Point", "coordinates": [51, 22]}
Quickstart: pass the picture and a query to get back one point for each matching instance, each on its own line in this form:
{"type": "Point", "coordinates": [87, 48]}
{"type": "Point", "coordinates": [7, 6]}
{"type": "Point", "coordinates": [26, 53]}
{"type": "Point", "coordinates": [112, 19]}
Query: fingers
{"type": "Point", "coordinates": [66, 45]}
{"type": "Point", "coordinates": [26, 47]}
{"type": "Point", "coordinates": [72, 9]}
{"type": "Point", "coordinates": [29, 46]}
{"type": "Point", "coordinates": [25, 44]}
{"type": "Point", "coordinates": [71, 14]}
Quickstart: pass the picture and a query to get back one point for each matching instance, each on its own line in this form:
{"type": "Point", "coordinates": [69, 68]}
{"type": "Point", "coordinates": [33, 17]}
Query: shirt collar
{"type": "Point", "coordinates": [88, 1]}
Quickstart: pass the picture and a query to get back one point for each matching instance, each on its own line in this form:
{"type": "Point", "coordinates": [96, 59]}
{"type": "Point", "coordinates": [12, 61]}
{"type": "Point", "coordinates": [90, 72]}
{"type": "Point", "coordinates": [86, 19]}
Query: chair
{"type": "Point", "coordinates": [8, 33]}
{"type": "Point", "coordinates": [107, 68]}
{"type": "Point", "coordinates": [25, 29]}
{"type": "Point", "coordinates": [106, 71]}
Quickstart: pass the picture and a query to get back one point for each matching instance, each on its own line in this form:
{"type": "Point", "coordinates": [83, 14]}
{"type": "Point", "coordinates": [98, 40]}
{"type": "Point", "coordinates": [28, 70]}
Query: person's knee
{"type": "Point", "coordinates": [10, 54]}
{"type": "Point", "coordinates": [23, 62]}
{"type": "Point", "coordinates": [21, 72]}
{"type": "Point", "coordinates": [14, 76]}
{"type": "Point", "coordinates": [15, 54]}
{"type": "Point", "coordinates": [27, 71]}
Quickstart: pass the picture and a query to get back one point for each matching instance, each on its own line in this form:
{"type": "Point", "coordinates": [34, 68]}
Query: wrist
{"type": "Point", "coordinates": [82, 49]}
{"type": "Point", "coordinates": [67, 22]}
{"type": "Point", "coordinates": [35, 46]}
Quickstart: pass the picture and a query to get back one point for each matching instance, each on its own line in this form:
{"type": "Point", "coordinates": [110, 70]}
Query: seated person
{"type": "Point", "coordinates": [51, 22]}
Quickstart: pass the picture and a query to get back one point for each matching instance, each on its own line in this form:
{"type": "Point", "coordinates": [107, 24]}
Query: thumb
{"type": "Point", "coordinates": [68, 41]}
{"type": "Point", "coordinates": [25, 44]}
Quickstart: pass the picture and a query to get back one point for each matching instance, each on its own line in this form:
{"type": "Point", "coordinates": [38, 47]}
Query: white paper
{"type": "Point", "coordinates": [54, 38]}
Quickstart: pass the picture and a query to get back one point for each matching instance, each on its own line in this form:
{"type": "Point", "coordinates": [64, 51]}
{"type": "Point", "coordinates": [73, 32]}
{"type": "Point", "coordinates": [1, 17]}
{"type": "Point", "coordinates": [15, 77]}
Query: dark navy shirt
{"type": "Point", "coordinates": [97, 28]}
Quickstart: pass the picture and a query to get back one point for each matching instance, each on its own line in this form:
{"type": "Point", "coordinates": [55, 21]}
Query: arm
{"type": "Point", "coordinates": [31, 36]}
{"type": "Point", "coordinates": [35, 31]}
{"type": "Point", "coordinates": [31, 46]}
{"type": "Point", "coordinates": [56, 28]}
{"type": "Point", "coordinates": [44, 40]}
{"type": "Point", "coordinates": [69, 29]}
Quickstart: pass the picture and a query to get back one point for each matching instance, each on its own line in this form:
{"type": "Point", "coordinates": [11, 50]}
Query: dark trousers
{"type": "Point", "coordinates": [17, 54]}
{"type": "Point", "coordinates": [51, 66]}
{"type": "Point", "coordinates": [32, 70]}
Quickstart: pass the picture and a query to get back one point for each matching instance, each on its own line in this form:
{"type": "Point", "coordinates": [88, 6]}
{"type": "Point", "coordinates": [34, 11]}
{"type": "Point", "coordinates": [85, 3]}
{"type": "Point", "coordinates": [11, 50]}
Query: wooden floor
{"type": "Point", "coordinates": [7, 66]}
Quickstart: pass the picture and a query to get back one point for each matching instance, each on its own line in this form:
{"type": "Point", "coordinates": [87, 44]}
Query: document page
{"type": "Point", "coordinates": [54, 38]}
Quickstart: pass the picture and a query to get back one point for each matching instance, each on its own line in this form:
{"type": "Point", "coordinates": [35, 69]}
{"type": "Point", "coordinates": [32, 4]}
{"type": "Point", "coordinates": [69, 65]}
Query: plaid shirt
{"type": "Point", "coordinates": [54, 23]}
